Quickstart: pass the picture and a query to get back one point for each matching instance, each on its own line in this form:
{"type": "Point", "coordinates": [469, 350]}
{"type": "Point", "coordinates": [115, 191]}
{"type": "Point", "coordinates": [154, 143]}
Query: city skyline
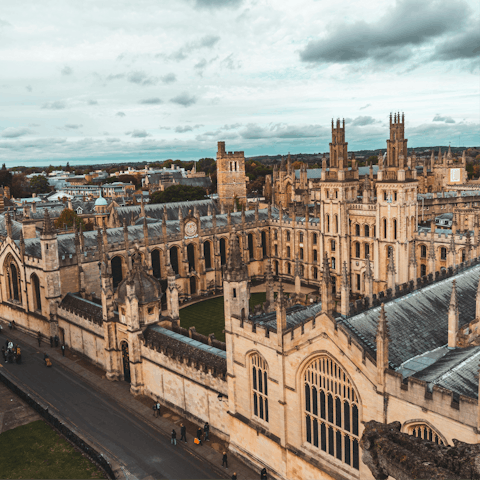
{"type": "Point", "coordinates": [138, 81]}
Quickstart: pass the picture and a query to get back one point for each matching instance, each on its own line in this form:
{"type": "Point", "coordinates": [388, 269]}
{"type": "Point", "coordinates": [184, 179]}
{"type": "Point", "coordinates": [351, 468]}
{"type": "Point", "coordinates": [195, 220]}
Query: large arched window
{"type": "Point", "coordinates": [421, 430]}
{"type": "Point", "coordinates": [117, 273]}
{"type": "Point", "coordinates": [264, 244]}
{"type": "Point", "coordinates": [157, 273]}
{"type": "Point", "coordinates": [191, 257]}
{"type": "Point", "coordinates": [174, 259]}
{"type": "Point", "coordinates": [37, 297]}
{"type": "Point", "coordinates": [331, 411]}
{"type": "Point", "coordinates": [367, 231]}
{"type": "Point", "coordinates": [250, 246]}
{"type": "Point", "coordinates": [259, 369]}
{"type": "Point", "coordinates": [207, 253]}
{"type": "Point", "coordinates": [223, 252]}
{"type": "Point", "coordinates": [13, 280]}
{"type": "Point", "coordinates": [423, 270]}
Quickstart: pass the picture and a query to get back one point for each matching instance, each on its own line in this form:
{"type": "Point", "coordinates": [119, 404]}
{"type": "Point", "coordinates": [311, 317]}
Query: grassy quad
{"type": "Point", "coordinates": [209, 317]}
{"type": "Point", "coordinates": [37, 451]}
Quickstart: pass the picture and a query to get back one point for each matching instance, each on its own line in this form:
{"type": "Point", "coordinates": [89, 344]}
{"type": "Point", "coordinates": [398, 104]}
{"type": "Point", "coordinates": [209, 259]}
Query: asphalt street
{"type": "Point", "coordinates": [143, 450]}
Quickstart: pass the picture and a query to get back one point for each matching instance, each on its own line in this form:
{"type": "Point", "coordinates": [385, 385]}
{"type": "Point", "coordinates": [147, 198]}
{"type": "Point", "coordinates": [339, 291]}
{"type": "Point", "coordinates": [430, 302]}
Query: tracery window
{"type": "Point", "coordinates": [367, 231]}
{"type": "Point", "coordinates": [331, 411]}
{"type": "Point", "coordinates": [420, 430]}
{"type": "Point", "coordinates": [288, 236]}
{"type": "Point", "coordinates": [259, 371]}
{"type": "Point", "coordinates": [13, 276]}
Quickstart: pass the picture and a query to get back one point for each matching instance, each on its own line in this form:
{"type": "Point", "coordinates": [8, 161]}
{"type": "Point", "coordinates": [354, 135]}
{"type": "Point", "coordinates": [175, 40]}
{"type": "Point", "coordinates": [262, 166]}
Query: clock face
{"type": "Point", "coordinates": [190, 229]}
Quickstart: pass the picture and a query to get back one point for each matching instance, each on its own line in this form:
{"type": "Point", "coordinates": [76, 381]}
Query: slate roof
{"type": "Point", "coordinates": [156, 210]}
{"type": "Point", "coordinates": [16, 228]}
{"type": "Point", "coordinates": [66, 242]}
{"type": "Point", "coordinates": [296, 315]}
{"type": "Point", "coordinates": [82, 307]}
{"type": "Point", "coordinates": [418, 322]}
{"type": "Point", "coordinates": [186, 347]}
{"type": "Point", "coordinates": [457, 371]}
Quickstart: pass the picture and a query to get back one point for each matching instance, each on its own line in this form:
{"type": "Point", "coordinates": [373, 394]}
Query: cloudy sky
{"type": "Point", "coordinates": [156, 79]}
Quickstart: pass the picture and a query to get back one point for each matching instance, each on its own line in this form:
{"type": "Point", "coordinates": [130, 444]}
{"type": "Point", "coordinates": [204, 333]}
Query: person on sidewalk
{"type": "Point", "coordinates": [173, 440]}
{"type": "Point", "coordinates": [10, 326]}
{"type": "Point", "coordinates": [206, 429]}
{"type": "Point", "coordinates": [263, 474]}
{"type": "Point", "coordinates": [234, 476]}
{"type": "Point", "coordinates": [14, 326]}
{"type": "Point", "coordinates": [183, 432]}
{"type": "Point", "coordinates": [63, 350]}
{"type": "Point", "coordinates": [39, 338]}
{"type": "Point", "coordinates": [199, 435]}
{"type": "Point", "coordinates": [224, 460]}
{"type": "Point", "coordinates": [19, 355]}
{"type": "Point", "coordinates": [4, 353]}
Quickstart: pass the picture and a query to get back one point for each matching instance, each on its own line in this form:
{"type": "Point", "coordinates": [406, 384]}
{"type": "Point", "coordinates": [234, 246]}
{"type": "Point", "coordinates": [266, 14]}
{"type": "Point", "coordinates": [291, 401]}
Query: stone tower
{"type": "Point", "coordinates": [235, 282]}
{"type": "Point", "coordinates": [231, 179]}
{"type": "Point", "coordinates": [338, 146]}
{"type": "Point", "coordinates": [397, 143]}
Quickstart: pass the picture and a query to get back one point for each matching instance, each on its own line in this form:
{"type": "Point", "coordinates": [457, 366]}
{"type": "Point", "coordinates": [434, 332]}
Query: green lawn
{"type": "Point", "coordinates": [208, 316]}
{"type": "Point", "coordinates": [36, 450]}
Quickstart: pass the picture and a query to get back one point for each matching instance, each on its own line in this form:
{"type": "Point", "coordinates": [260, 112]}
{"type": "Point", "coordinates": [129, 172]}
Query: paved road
{"type": "Point", "coordinates": [143, 450]}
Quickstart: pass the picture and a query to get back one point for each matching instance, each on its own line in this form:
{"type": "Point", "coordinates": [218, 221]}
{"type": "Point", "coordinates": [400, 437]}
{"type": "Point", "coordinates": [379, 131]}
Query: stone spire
{"type": "Point", "coordinates": [382, 339]}
{"type": "Point", "coordinates": [432, 160]}
{"type": "Point", "coordinates": [477, 302]}
{"type": "Point", "coordinates": [391, 273]}
{"type": "Point", "coordinates": [8, 224]}
{"type": "Point", "coordinates": [47, 223]}
{"type": "Point", "coordinates": [326, 288]}
{"type": "Point", "coordinates": [125, 234]}
{"type": "Point", "coordinates": [236, 270]}
{"type": "Point", "coordinates": [431, 255]}
{"type": "Point", "coordinates": [345, 292]}
{"type": "Point", "coordinates": [21, 244]}
{"type": "Point", "coordinates": [142, 208]}
{"type": "Point", "coordinates": [297, 276]}
{"type": "Point", "coordinates": [269, 285]}
{"type": "Point", "coordinates": [368, 280]}
{"type": "Point", "coordinates": [281, 310]}
{"type": "Point", "coordinates": [453, 317]}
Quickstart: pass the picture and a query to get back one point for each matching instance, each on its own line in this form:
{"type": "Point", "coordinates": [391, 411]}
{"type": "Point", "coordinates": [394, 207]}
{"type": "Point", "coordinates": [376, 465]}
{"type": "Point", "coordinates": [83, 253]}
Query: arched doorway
{"type": "Point", "coordinates": [156, 264]}
{"type": "Point", "coordinates": [125, 361]}
{"type": "Point", "coordinates": [117, 273]}
{"type": "Point", "coordinates": [193, 285]}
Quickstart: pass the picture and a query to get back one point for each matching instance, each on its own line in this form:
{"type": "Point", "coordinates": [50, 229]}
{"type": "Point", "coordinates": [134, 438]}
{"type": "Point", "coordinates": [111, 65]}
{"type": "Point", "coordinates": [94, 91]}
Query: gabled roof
{"type": "Point", "coordinates": [418, 322]}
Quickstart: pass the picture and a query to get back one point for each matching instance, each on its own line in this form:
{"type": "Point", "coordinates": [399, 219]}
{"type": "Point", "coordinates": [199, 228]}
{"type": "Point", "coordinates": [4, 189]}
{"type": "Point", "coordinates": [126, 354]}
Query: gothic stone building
{"type": "Point", "coordinates": [394, 336]}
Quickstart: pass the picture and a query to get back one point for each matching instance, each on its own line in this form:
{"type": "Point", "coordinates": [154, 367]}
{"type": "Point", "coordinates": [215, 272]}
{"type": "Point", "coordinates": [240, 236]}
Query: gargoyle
{"type": "Point", "coordinates": [388, 452]}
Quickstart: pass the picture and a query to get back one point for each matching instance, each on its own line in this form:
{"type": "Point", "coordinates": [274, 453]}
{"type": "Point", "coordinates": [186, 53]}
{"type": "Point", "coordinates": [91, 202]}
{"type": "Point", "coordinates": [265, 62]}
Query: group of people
{"type": "Point", "coordinates": [201, 434]}
{"type": "Point", "coordinates": [11, 352]}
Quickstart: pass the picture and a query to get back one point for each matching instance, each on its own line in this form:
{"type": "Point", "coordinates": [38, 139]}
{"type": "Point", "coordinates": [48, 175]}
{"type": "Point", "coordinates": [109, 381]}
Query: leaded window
{"type": "Point", "coordinates": [331, 411]}
{"type": "Point", "coordinates": [259, 371]}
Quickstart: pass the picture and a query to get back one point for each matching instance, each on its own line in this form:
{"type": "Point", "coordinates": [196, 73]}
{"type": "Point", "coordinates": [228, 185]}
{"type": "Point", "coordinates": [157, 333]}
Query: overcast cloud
{"type": "Point", "coordinates": [265, 76]}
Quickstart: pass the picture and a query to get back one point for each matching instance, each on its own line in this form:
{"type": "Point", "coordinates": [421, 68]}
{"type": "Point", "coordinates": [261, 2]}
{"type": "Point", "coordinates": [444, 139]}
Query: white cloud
{"type": "Point", "coordinates": [13, 132]}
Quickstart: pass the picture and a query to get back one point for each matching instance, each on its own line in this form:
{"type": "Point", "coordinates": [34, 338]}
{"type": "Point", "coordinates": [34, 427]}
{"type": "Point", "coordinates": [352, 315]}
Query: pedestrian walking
{"type": "Point", "coordinates": [10, 345]}
{"type": "Point", "coordinates": [10, 325]}
{"type": "Point", "coordinates": [1, 328]}
{"type": "Point", "coordinates": [224, 460]}
{"type": "Point", "coordinates": [6, 343]}
{"type": "Point", "coordinates": [39, 338]}
{"type": "Point", "coordinates": [183, 432]}
{"type": "Point", "coordinates": [234, 476]}
{"type": "Point", "coordinates": [4, 354]}
{"type": "Point", "coordinates": [14, 326]}
{"type": "Point", "coordinates": [173, 440]}
{"type": "Point", "coordinates": [57, 340]}
{"type": "Point", "coordinates": [206, 429]}
{"type": "Point", "coordinates": [19, 355]}
{"type": "Point", "coordinates": [263, 474]}
{"type": "Point", "coordinates": [199, 435]}
{"type": "Point", "coordinates": [63, 350]}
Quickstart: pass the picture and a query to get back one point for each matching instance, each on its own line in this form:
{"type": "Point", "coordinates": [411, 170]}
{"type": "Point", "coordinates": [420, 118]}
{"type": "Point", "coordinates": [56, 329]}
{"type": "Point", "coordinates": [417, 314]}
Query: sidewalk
{"type": "Point", "coordinates": [141, 407]}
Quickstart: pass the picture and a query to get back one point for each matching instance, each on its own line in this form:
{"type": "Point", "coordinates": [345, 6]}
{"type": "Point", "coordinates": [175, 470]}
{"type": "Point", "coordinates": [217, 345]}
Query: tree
{"type": "Point", "coordinates": [39, 184]}
{"type": "Point", "coordinates": [67, 218]}
{"type": "Point", "coordinates": [373, 159]}
{"type": "Point", "coordinates": [20, 187]}
{"type": "Point", "coordinates": [178, 193]}
{"type": "Point", "coordinates": [5, 177]}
